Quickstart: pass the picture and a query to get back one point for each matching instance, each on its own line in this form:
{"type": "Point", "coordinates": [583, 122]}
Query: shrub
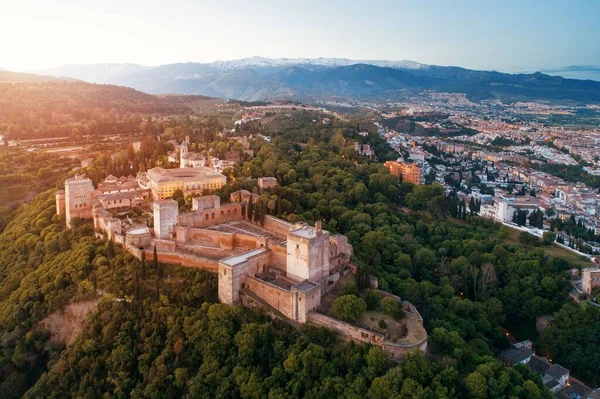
{"type": "Point", "coordinates": [382, 323]}
{"type": "Point", "coordinates": [372, 298]}
{"type": "Point", "coordinates": [528, 239]}
{"type": "Point", "coordinates": [350, 289]}
{"type": "Point", "coordinates": [392, 307]}
{"type": "Point", "coordinates": [348, 307]}
{"type": "Point", "coordinates": [548, 238]}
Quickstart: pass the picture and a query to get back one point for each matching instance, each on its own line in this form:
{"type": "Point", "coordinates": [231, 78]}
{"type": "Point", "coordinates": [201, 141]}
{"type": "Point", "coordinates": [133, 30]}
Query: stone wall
{"type": "Point", "coordinates": [244, 241]}
{"type": "Point", "coordinates": [185, 259]}
{"type": "Point", "coordinates": [277, 297]}
{"type": "Point", "coordinates": [277, 226]}
{"type": "Point", "coordinates": [165, 245]}
{"type": "Point", "coordinates": [208, 252]}
{"type": "Point", "coordinates": [397, 351]}
{"type": "Point", "coordinates": [199, 219]}
{"type": "Point", "coordinates": [219, 239]}
{"type": "Point", "coordinates": [278, 256]}
{"type": "Point", "coordinates": [350, 332]}
{"type": "Point", "coordinates": [346, 330]}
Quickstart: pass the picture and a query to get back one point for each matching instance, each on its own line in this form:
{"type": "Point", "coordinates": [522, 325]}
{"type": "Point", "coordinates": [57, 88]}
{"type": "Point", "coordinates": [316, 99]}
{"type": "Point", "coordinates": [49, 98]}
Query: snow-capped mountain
{"type": "Point", "coordinates": [261, 78]}
{"type": "Point", "coordinates": [262, 62]}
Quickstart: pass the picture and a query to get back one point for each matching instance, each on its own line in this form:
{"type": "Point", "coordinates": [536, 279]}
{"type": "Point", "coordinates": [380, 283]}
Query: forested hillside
{"type": "Point", "coordinates": [177, 343]}
{"type": "Point", "coordinates": [24, 174]}
{"type": "Point", "coordinates": [159, 332]}
{"type": "Point", "coordinates": [54, 109]}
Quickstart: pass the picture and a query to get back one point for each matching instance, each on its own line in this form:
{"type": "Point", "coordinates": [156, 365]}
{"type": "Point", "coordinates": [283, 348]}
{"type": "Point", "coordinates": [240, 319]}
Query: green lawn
{"type": "Point", "coordinates": [555, 251]}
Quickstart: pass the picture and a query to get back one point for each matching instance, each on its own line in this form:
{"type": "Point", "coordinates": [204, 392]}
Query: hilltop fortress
{"type": "Point", "coordinates": [285, 268]}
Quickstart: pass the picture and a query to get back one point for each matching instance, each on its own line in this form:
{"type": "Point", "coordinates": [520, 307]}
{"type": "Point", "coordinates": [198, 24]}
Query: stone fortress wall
{"type": "Point", "coordinates": [283, 267]}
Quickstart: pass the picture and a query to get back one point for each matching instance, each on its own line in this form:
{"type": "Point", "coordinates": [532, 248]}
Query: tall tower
{"type": "Point", "coordinates": [78, 198]}
{"type": "Point", "coordinates": [183, 151]}
{"type": "Point", "coordinates": [165, 217]}
{"type": "Point", "coordinates": [308, 253]}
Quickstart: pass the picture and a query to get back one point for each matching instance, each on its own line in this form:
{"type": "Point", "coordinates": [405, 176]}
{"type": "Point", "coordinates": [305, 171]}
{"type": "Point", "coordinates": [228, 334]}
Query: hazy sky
{"type": "Point", "coordinates": [483, 34]}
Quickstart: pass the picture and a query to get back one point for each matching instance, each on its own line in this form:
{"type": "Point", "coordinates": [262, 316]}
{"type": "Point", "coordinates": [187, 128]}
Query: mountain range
{"type": "Point", "coordinates": [260, 78]}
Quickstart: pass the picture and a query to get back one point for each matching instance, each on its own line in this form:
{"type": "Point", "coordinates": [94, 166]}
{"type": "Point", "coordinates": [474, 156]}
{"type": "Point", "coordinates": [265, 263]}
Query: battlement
{"type": "Point", "coordinates": [78, 180]}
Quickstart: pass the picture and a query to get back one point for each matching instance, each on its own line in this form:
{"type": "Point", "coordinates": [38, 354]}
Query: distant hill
{"type": "Point", "coordinates": [94, 73]}
{"type": "Point", "coordinates": [260, 78]}
{"type": "Point", "coordinates": [45, 98]}
{"type": "Point", "coordinates": [8, 76]}
{"type": "Point", "coordinates": [51, 108]}
{"type": "Point", "coordinates": [576, 72]}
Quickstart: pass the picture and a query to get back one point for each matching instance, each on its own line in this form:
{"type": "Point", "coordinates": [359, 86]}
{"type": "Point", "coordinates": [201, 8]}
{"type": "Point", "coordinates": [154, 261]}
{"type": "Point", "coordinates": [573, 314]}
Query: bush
{"type": "Point", "coordinates": [348, 307]}
{"type": "Point", "coordinates": [528, 239]}
{"type": "Point", "coordinates": [382, 323]}
{"type": "Point", "coordinates": [548, 237]}
{"type": "Point", "coordinates": [392, 307]}
{"type": "Point", "coordinates": [350, 289]}
{"type": "Point", "coordinates": [372, 298]}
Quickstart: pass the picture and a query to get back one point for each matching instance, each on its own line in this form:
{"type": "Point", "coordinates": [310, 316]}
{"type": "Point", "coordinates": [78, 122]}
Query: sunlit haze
{"type": "Point", "coordinates": [508, 36]}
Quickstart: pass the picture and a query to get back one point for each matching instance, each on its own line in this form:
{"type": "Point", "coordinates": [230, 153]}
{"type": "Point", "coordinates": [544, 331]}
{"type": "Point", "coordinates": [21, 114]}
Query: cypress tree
{"type": "Point", "coordinates": [110, 250]}
{"type": "Point", "coordinates": [250, 208]}
{"type": "Point", "coordinates": [143, 265]}
{"type": "Point", "coordinates": [155, 260]}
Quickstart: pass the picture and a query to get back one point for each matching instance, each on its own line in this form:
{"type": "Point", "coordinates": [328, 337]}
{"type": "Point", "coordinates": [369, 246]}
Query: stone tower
{"type": "Point", "coordinates": [165, 217]}
{"type": "Point", "coordinates": [60, 202]}
{"type": "Point", "coordinates": [183, 151]}
{"type": "Point", "coordinates": [308, 253]}
{"type": "Point", "coordinates": [78, 198]}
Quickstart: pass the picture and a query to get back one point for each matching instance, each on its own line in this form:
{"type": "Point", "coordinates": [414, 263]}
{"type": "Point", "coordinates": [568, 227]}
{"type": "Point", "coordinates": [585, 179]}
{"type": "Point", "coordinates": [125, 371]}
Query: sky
{"type": "Point", "coordinates": [504, 35]}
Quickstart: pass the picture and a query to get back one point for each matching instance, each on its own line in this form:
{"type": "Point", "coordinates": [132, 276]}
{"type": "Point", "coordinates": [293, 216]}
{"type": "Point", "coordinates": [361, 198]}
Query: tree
{"type": "Point", "coordinates": [337, 140]}
{"type": "Point", "coordinates": [548, 237]}
{"type": "Point", "coordinates": [391, 306]}
{"type": "Point", "coordinates": [372, 299]}
{"type": "Point", "coordinates": [348, 307]}
{"type": "Point", "coordinates": [488, 278]}
{"type": "Point", "coordinates": [477, 386]}
{"type": "Point", "coordinates": [250, 208]}
{"type": "Point", "coordinates": [154, 259]}
{"type": "Point", "coordinates": [528, 239]}
{"type": "Point", "coordinates": [143, 276]}
{"type": "Point", "coordinates": [110, 249]}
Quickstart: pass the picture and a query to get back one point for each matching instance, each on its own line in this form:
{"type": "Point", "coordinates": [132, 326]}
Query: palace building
{"type": "Point", "coordinates": [164, 182]}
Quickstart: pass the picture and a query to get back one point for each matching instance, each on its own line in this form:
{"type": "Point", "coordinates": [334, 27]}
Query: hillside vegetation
{"type": "Point", "coordinates": [56, 108]}
{"type": "Point", "coordinates": [159, 331]}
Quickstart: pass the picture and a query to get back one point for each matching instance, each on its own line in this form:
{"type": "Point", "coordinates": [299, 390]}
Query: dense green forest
{"type": "Point", "coordinates": [182, 342]}
{"type": "Point", "coordinates": [24, 174]}
{"type": "Point", "coordinates": [159, 332]}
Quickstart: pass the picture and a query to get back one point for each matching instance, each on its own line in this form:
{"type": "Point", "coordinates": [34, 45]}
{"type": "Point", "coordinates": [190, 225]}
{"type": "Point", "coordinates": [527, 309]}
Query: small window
{"type": "Point", "coordinates": [225, 272]}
